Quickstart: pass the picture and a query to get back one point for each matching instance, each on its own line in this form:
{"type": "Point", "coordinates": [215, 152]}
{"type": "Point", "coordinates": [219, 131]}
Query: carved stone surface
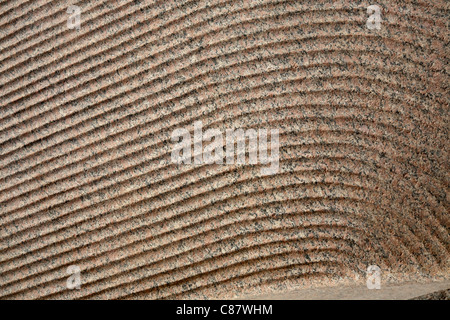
{"type": "Point", "coordinates": [87, 112]}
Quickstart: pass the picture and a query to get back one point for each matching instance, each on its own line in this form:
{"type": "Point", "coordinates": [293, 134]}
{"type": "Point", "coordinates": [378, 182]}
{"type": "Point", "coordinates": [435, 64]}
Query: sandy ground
{"type": "Point", "coordinates": [404, 291]}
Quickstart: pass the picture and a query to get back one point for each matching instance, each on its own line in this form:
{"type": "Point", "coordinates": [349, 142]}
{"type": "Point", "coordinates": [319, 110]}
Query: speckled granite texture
{"type": "Point", "coordinates": [86, 117]}
{"type": "Point", "coordinates": [441, 295]}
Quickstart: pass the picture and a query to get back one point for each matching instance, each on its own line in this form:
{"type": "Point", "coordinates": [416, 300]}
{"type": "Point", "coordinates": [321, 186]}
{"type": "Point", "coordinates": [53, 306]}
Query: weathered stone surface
{"type": "Point", "coordinates": [86, 117]}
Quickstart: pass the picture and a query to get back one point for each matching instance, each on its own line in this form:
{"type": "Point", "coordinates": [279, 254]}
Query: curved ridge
{"type": "Point", "coordinates": [23, 141]}
{"type": "Point", "coordinates": [86, 123]}
{"type": "Point", "coordinates": [290, 82]}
